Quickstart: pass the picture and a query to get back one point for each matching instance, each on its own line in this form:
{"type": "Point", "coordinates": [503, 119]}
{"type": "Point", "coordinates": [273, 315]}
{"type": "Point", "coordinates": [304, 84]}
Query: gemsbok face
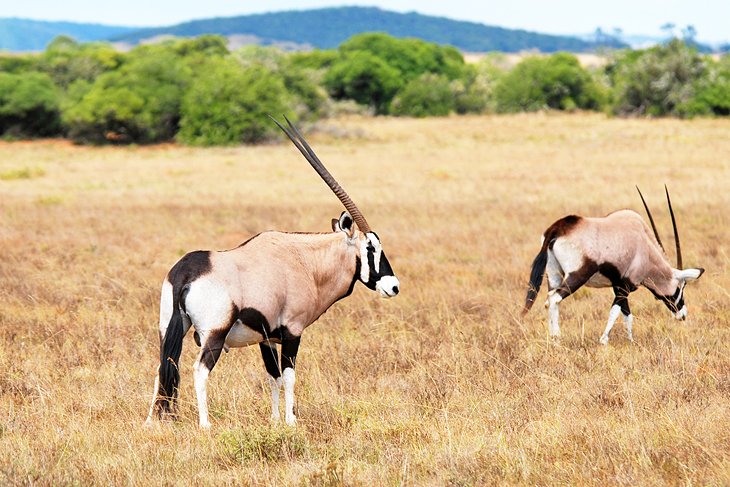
{"type": "Point", "coordinates": [266, 291]}
{"type": "Point", "coordinates": [616, 251]}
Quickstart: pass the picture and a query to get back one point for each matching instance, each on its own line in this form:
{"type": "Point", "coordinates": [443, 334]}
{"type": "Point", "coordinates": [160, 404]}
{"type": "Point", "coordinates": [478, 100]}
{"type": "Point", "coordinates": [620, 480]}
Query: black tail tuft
{"type": "Point", "coordinates": [538, 271]}
{"type": "Point", "coordinates": [170, 350]}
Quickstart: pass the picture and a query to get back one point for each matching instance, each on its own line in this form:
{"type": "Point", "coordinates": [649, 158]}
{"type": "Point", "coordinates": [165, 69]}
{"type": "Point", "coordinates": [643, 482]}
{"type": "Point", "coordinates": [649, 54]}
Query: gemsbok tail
{"type": "Point", "coordinates": [170, 350]}
{"type": "Point", "coordinates": [536, 275]}
{"type": "Point", "coordinates": [561, 227]}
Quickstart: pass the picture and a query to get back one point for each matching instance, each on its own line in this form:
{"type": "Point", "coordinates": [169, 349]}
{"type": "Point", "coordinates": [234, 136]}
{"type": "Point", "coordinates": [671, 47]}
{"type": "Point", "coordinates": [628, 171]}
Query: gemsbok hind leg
{"type": "Point", "coordinates": [212, 344]}
{"type": "Point", "coordinates": [555, 278]}
{"type": "Point", "coordinates": [570, 284]}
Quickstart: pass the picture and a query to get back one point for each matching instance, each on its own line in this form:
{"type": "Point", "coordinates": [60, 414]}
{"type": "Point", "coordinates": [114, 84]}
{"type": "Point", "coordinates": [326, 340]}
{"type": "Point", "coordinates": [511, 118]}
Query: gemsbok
{"type": "Point", "coordinates": [615, 251]}
{"type": "Point", "coordinates": [266, 291]}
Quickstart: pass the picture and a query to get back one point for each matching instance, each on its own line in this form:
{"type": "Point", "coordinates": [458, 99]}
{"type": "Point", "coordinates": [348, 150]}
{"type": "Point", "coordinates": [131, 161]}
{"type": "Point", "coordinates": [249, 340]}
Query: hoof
{"type": "Point", "coordinates": [603, 340]}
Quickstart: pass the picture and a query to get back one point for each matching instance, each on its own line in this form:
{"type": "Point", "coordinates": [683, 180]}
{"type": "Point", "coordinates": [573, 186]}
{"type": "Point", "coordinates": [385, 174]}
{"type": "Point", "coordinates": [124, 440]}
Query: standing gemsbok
{"type": "Point", "coordinates": [265, 291]}
{"type": "Point", "coordinates": [615, 251]}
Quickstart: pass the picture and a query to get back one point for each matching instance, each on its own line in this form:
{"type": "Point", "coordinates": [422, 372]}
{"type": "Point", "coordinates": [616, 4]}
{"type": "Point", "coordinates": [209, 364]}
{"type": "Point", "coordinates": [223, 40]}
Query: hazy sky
{"type": "Point", "coordinates": [711, 18]}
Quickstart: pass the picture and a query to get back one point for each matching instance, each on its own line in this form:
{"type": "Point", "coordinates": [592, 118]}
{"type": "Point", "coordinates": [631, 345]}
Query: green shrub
{"type": "Point", "coordinates": [267, 443]}
{"type": "Point", "coordinates": [29, 105]}
{"type": "Point", "coordinates": [365, 78]}
{"type": "Point", "coordinates": [712, 91]}
{"type": "Point", "coordinates": [66, 60]}
{"type": "Point", "coordinates": [229, 104]}
{"type": "Point", "coordinates": [411, 57]}
{"type": "Point", "coordinates": [315, 59]}
{"type": "Point", "coordinates": [558, 82]}
{"type": "Point", "coordinates": [428, 95]}
{"type": "Point", "coordinates": [658, 81]}
{"type": "Point", "coordinates": [304, 84]}
{"type": "Point", "coordinates": [373, 67]}
{"type": "Point", "coordinates": [138, 103]}
{"type": "Point", "coordinates": [474, 91]}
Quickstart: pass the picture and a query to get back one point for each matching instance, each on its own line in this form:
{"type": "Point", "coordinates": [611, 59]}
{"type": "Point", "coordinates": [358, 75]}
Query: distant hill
{"type": "Point", "coordinates": [33, 35]}
{"type": "Point", "coordinates": [320, 28]}
{"type": "Point", "coordinates": [328, 27]}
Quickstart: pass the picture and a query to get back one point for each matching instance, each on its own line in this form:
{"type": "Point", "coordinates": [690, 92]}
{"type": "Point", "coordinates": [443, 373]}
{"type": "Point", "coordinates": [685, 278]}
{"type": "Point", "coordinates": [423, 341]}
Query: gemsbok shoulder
{"type": "Point", "coordinates": [616, 251]}
{"type": "Point", "coordinates": [265, 291]}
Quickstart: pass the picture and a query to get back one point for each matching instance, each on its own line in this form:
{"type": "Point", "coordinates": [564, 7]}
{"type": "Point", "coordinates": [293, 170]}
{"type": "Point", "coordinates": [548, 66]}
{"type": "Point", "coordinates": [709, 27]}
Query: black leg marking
{"type": "Point", "coordinates": [576, 279]}
{"type": "Point", "coordinates": [621, 298]}
{"type": "Point", "coordinates": [212, 348]}
{"type": "Point", "coordinates": [289, 349]}
{"type": "Point", "coordinates": [271, 359]}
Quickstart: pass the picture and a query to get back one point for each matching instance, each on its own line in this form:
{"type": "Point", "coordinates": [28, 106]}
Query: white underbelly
{"type": "Point", "coordinates": [598, 280]}
{"type": "Point", "coordinates": [242, 336]}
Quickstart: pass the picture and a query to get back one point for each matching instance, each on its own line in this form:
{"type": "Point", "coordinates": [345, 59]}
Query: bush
{"type": "Point", "coordinates": [304, 84]}
{"type": "Point", "coordinates": [658, 81]}
{"type": "Point", "coordinates": [373, 67]}
{"type": "Point", "coordinates": [138, 103]}
{"type": "Point", "coordinates": [474, 92]}
{"type": "Point", "coordinates": [29, 105]}
{"type": "Point", "coordinates": [428, 95]}
{"type": "Point", "coordinates": [558, 82]}
{"type": "Point", "coordinates": [229, 104]}
{"type": "Point", "coordinates": [365, 78]}
{"type": "Point", "coordinates": [66, 61]}
{"type": "Point", "coordinates": [411, 57]}
{"type": "Point", "coordinates": [712, 91]}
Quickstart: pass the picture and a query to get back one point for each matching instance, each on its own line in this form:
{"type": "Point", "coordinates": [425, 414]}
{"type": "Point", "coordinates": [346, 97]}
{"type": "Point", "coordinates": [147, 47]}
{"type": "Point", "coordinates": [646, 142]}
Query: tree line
{"type": "Point", "coordinates": [198, 92]}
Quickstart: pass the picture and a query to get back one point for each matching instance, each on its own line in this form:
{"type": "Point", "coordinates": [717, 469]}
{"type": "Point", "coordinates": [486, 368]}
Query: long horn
{"type": "Point", "coordinates": [301, 144]}
{"type": "Point", "coordinates": [676, 233]}
{"type": "Point", "coordinates": [651, 220]}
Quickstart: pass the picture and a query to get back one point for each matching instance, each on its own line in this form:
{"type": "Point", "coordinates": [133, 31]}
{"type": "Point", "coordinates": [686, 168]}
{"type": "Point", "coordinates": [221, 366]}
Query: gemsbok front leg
{"type": "Point", "coordinates": [620, 306]}
{"type": "Point", "coordinates": [271, 362]}
{"type": "Point", "coordinates": [289, 349]}
{"type": "Point", "coordinates": [210, 351]}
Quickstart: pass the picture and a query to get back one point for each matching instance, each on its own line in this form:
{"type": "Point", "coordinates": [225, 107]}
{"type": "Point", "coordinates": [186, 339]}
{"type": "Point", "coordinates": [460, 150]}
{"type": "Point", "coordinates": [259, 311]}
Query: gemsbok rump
{"type": "Point", "coordinates": [616, 251]}
{"type": "Point", "coordinates": [265, 291]}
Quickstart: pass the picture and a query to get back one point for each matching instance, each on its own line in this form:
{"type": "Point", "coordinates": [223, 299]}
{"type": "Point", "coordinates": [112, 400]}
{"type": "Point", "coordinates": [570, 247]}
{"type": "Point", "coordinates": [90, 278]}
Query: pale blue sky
{"type": "Point", "coordinates": [711, 18]}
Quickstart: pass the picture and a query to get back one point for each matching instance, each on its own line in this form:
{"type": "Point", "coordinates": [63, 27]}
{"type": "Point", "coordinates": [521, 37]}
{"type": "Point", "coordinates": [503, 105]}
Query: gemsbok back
{"type": "Point", "coordinates": [616, 251]}
{"type": "Point", "coordinates": [265, 291]}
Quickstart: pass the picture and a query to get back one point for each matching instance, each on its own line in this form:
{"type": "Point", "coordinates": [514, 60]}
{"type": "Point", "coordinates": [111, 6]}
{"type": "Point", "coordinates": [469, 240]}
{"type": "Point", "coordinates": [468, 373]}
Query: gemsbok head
{"type": "Point", "coordinates": [266, 291]}
{"type": "Point", "coordinates": [617, 251]}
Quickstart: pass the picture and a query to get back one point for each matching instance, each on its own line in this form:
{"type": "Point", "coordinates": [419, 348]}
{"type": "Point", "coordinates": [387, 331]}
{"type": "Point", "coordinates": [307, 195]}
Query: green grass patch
{"type": "Point", "coordinates": [270, 443]}
{"type": "Point", "coordinates": [24, 173]}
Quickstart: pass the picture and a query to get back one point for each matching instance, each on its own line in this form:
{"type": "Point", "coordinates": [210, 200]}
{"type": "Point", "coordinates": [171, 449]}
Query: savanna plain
{"type": "Point", "coordinates": [445, 384]}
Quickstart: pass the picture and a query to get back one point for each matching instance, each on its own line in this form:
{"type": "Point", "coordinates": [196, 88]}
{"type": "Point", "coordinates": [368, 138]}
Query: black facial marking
{"type": "Point", "coordinates": [670, 300]}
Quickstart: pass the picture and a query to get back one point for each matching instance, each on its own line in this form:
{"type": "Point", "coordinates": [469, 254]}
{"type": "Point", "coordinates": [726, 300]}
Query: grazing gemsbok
{"type": "Point", "coordinates": [616, 251]}
{"type": "Point", "coordinates": [265, 291]}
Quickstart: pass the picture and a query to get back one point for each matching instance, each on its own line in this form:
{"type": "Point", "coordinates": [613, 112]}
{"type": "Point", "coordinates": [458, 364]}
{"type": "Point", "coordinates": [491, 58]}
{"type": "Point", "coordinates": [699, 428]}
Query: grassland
{"type": "Point", "coordinates": [443, 385]}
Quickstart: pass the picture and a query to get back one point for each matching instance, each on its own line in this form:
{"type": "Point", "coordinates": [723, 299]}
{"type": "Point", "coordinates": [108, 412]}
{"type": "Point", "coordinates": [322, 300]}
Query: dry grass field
{"type": "Point", "coordinates": [444, 385]}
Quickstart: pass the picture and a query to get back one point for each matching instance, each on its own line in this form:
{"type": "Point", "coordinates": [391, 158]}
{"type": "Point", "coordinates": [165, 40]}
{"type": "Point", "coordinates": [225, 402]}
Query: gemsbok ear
{"type": "Point", "coordinates": [689, 274]}
{"type": "Point", "coordinates": [344, 224]}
